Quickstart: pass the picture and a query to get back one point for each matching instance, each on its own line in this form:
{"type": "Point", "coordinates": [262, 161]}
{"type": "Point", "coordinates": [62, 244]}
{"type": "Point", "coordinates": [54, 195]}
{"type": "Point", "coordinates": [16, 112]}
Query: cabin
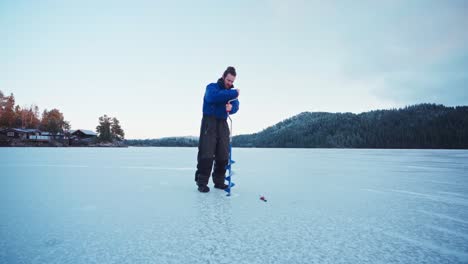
{"type": "Point", "coordinates": [20, 133]}
{"type": "Point", "coordinates": [30, 134]}
{"type": "Point", "coordinates": [83, 133]}
{"type": "Point", "coordinates": [82, 136]}
{"type": "Point", "coordinates": [47, 136]}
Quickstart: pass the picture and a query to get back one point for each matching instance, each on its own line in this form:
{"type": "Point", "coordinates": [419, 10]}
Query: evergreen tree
{"type": "Point", "coordinates": [117, 131]}
{"type": "Point", "coordinates": [104, 129]}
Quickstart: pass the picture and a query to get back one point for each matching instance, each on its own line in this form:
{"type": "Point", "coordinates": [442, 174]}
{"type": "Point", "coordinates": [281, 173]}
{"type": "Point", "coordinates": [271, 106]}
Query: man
{"type": "Point", "coordinates": [213, 144]}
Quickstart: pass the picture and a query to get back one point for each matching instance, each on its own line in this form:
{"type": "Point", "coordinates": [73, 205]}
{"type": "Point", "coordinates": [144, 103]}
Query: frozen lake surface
{"type": "Point", "coordinates": [140, 205]}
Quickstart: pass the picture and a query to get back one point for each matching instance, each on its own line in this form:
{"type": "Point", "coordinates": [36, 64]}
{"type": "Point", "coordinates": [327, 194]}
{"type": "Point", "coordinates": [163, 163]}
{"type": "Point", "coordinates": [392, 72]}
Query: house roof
{"type": "Point", "coordinates": [21, 130]}
{"type": "Point", "coordinates": [84, 131]}
{"type": "Point", "coordinates": [33, 130]}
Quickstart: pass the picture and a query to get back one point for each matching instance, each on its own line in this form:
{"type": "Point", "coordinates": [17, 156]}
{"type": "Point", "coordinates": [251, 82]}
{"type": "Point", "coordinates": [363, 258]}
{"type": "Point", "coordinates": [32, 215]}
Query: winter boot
{"type": "Point", "coordinates": [221, 186]}
{"type": "Point", "coordinates": [203, 188]}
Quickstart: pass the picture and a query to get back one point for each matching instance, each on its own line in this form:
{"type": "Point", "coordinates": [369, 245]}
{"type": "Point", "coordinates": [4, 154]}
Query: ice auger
{"type": "Point", "coordinates": [228, 178]}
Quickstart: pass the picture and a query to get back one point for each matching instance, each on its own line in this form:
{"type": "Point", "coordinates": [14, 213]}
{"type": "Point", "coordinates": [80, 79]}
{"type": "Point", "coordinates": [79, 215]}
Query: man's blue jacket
{"type": "Point", "coordinates": [216, 98]}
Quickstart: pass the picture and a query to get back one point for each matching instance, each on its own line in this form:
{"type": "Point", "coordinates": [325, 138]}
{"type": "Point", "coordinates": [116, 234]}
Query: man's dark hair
{"type": "Point", "coordinates": [230, 70]}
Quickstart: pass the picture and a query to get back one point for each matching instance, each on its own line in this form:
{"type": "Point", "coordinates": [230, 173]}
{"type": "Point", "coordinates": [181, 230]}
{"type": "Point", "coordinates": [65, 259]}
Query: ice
{"type": "Point", "coordinates": [141, 205]}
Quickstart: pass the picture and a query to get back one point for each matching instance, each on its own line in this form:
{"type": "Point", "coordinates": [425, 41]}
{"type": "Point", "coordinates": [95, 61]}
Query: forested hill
{"type": "Point", "coordinates": [418, 126]}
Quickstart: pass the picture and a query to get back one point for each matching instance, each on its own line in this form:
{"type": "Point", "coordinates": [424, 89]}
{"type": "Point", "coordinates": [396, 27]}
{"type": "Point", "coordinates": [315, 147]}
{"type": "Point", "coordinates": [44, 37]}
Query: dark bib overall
{"type": "Point", "coordinates": [213, 145]}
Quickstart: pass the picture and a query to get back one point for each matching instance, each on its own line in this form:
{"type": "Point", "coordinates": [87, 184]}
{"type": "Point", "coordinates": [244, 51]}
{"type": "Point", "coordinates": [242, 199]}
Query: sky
{"type": "Point", "coordinates": [148, 62]}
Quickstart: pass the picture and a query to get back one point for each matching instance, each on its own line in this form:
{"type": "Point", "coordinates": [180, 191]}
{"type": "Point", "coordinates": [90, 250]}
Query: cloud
{"type": "Point", "coordinates": [410, 88]}
{"type": "Point", "coordinates": [419, 53]}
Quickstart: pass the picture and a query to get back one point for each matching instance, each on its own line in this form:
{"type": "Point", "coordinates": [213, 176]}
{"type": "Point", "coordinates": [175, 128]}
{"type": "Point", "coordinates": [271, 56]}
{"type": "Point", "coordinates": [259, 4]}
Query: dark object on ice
{"type": "Point", "coordinates": [263, 198]}
{"type": "Point", "coordinates": [203, 188]}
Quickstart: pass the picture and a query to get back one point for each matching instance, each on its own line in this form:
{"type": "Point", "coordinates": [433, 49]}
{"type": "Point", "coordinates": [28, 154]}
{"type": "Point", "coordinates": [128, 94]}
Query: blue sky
{"type": "Point", "coordinates": [148, 62]}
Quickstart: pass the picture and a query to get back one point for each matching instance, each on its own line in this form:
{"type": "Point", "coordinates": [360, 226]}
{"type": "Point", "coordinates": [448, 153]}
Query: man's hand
{"type": "Point", "coordinates": [228, 107]}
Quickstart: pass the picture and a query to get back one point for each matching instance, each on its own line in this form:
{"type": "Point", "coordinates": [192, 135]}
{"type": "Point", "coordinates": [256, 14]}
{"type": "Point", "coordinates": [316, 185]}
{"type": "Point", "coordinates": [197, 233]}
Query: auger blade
{"type": "Point", "coordinates": [230, 185]}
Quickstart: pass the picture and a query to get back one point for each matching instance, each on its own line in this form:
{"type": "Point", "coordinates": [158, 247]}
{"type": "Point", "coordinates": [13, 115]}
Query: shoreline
{"type": "Point", "coordinates": [56, 144]}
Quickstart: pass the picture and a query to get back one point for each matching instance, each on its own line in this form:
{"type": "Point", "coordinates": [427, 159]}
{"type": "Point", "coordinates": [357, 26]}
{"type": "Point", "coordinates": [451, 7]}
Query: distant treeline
{"type": "Point", "coordinates": [163, 142]}
{"type": "Point", "coordinates": [418, 126]}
